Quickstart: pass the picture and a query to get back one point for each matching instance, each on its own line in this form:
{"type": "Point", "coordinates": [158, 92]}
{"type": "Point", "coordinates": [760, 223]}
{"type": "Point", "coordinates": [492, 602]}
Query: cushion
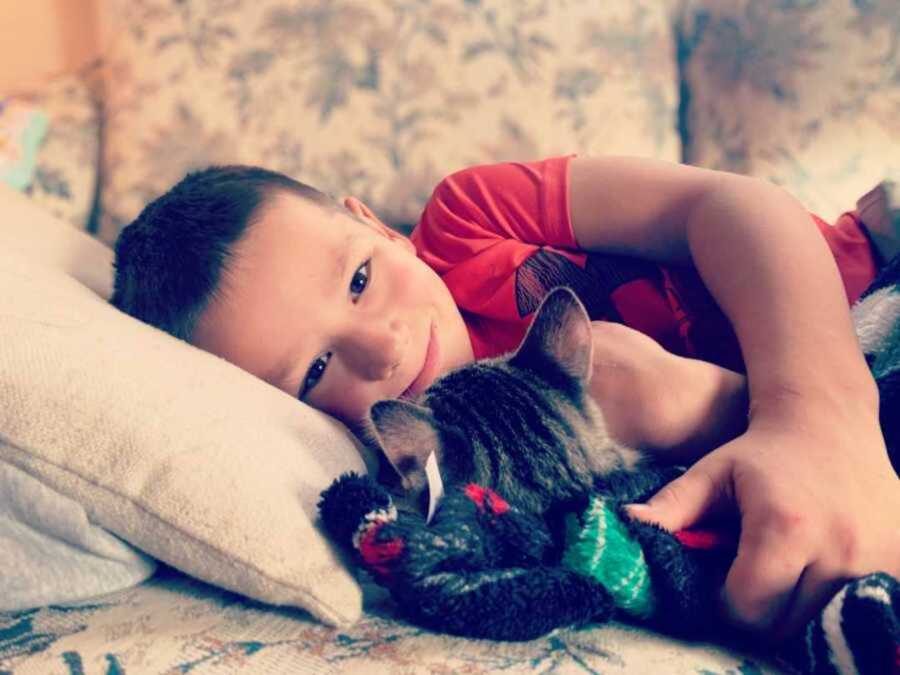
{"type": "Point", "coordinates": [66, 163]}
{"type": "Point", "coordinates": [378, 100]}
{"type": "Point", "coordinates": [22, 128]}
{"type": "Point", "coordinates": [806, 94]}
{"type": "Point", "coordinates": [174, 450]}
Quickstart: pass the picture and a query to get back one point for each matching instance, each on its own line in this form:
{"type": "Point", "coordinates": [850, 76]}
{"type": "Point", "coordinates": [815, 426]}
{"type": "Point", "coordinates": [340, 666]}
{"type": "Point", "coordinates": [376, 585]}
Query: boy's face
{"type": "Point", "coordinates": [334, 307]}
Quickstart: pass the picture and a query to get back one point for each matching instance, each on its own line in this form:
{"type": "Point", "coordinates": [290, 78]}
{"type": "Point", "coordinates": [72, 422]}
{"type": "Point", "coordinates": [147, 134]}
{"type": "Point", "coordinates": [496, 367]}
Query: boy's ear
{"type": "Point", "coordinates": [561, 329]}
{"type": "Point", "coordinates": [406, 434]}
{"type": "Point", "coordinates": [360, 210]}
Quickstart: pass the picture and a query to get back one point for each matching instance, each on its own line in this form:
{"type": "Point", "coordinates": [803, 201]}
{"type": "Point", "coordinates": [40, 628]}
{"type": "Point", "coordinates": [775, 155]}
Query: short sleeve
{"type": "Point", "coordinates": [478, 207]}
{"type": "Point", "coordinates": [479, 228]}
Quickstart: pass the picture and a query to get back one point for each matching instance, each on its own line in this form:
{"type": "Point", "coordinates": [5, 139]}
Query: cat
{"type": "Point", "coordinates": [523, 424]}
{"type": "Point", "coordinates": [492, 565]}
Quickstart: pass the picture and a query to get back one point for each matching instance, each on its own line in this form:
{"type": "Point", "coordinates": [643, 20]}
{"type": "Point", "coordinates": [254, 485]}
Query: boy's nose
{"type": "Point", "coordinates": [374, 351]}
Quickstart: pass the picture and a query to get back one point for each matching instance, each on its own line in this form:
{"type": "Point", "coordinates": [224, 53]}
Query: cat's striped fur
{"type": "Point", "coordinates": [522, 424]}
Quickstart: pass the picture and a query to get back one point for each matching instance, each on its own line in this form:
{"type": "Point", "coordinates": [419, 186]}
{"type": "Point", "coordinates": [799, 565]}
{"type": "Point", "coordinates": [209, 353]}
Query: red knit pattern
{"type": "Point", "coordinates": [706, 540]}
{"type": "Point", "coordinates": [477, 494]}
{"type": "Point", "coordinates": [378, 555]}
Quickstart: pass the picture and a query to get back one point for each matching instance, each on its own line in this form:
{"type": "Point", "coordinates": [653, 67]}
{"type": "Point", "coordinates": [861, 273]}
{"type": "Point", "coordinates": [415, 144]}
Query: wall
{"type": "Point", "coordinates": [44, 37]}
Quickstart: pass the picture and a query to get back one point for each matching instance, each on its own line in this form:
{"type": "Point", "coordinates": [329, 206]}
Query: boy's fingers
{"type": "Point", "coordinates": [762, 578]}
{"type": "Point", "coordinates": [814, 590]}
{"type": "Point", "coordinates": [685, 500]}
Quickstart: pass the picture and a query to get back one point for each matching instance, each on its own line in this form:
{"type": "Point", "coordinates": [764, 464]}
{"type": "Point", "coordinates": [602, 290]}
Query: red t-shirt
{"type": "Point", "coordinates": [500, 237]}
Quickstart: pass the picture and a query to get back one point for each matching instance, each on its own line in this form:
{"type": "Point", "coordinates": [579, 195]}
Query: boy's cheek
{"type": "Point", "coordinates": [350, 401]}
{"type": "Point", "coordinates": [409, 270]}
{"type": "Point", "coordinates": [410, 267]}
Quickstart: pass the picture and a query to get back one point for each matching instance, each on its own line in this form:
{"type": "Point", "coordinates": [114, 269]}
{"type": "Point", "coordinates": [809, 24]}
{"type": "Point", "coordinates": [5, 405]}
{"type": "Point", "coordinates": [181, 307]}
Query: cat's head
{"type": "Point", "coordinates": [554, 358]}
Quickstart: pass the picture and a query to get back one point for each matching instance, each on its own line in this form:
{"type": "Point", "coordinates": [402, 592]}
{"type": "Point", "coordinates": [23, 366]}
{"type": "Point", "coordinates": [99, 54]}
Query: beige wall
{"type": "Point", "coordinates": [44, 37]}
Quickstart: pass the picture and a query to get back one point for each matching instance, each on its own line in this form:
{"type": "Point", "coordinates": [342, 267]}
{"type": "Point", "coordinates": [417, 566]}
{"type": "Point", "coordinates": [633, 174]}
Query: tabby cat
{"type": "Point", "coordinates": [522, 424]}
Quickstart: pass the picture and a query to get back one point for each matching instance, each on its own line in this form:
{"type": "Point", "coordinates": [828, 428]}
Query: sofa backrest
{"type": "Point", "coordinates": [378, 100]}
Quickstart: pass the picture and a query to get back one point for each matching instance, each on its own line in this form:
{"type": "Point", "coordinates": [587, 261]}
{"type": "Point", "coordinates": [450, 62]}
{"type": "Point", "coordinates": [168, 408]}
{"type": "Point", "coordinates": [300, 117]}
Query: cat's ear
{"type": "Point", "coordinates": [561, 329]}
{"type": "Point", "coordinates": [406, 434]}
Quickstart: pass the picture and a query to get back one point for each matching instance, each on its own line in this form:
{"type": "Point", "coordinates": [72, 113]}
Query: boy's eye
{"type": "Point", "coordinates": [360, 279]}
{"type": "Point", "coordinates": [358, 284]}
{"type": "Point", "coordinates": [314, 374]}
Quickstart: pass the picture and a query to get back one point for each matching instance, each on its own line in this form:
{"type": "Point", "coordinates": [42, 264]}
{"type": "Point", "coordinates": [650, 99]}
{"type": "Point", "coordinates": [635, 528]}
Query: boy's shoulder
{"type": "Point", "coordinates": [510, 199]}
{"type": "Point", "coordinates": [498, 176]}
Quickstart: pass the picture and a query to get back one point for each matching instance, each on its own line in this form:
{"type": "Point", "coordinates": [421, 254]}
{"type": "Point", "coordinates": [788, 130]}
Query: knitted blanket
{"type": "Point", "coordinates": [857, 632]}
{"type": "Point", "coordinates": [483, 569]}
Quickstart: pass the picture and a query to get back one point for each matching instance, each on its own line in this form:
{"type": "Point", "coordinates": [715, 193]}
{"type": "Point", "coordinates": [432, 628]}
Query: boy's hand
{"type": "Point", "coordinates": [819, 503]}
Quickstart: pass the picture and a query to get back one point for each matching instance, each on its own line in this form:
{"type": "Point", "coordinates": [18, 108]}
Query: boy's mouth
{"type": "Point", "coordinates": [429, 370]}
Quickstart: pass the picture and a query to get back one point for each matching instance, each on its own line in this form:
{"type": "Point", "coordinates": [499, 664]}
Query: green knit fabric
{"type": "Point", "coordinates": [599, 545]}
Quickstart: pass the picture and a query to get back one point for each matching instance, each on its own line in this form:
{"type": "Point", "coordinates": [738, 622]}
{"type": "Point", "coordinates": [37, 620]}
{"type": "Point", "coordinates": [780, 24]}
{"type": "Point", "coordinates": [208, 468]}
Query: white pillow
{"type": "Point", "coordinates": [174, 450]}
{"type": "Point", "coordinates": [51, 553]}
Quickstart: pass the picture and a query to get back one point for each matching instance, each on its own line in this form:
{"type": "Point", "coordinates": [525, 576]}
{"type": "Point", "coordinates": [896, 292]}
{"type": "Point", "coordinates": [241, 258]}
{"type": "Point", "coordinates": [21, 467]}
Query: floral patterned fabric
{"type": "Point", "coordinates": [65, 178]}
{"type": "Point", "coordinates": [173, 624]}
{"type": "Point", "coordinates": [805, 93]}
{"type": "Point", "coordinates": [379, 100]}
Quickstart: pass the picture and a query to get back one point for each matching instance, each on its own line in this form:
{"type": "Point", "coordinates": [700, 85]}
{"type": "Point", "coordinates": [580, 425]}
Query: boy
{"type": "Point", "coordinates": [329, 304]}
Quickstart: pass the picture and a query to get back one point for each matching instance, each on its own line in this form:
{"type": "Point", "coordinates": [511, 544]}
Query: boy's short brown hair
{"type": "Point", "coordinates": [169, 261]}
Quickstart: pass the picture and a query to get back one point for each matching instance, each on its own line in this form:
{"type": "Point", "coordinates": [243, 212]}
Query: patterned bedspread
{"type": "Point", "coordinates": [174, 624]}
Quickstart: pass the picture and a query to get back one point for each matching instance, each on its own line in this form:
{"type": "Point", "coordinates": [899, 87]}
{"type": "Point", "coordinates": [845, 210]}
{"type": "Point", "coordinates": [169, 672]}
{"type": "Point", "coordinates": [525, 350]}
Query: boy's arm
{"type": "Point", "coordinates": [817, 496]}
{"type": "Point", "coordinates": [759, 254]}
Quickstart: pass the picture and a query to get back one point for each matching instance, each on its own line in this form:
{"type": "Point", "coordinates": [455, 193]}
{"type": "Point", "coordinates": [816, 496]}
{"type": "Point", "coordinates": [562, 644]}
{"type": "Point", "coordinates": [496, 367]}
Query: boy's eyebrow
{"type": "Point", "coordinates": [341, 261]}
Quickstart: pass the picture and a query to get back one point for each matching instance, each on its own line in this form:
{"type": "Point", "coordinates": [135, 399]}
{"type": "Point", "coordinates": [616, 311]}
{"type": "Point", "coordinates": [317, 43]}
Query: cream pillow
{"type": "Point", "coordinates": [172, 449]}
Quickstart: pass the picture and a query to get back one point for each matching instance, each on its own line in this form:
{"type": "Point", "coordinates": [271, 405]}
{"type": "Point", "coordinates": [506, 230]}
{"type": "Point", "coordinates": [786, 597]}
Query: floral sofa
{"type": "Point", "coordinates": [380, 100]}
